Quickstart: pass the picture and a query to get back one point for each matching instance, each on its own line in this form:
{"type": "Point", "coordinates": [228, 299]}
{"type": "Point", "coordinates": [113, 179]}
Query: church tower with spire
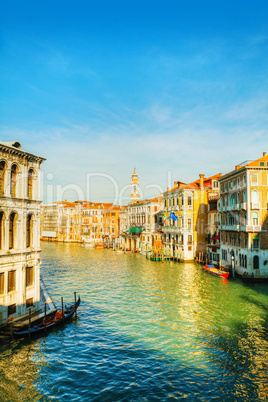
{"type": "Point", "coordinates": [135, 187]}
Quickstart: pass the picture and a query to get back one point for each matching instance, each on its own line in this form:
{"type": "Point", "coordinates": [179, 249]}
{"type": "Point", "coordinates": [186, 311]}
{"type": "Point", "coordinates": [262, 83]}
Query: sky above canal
{"type": "Point", "coordinates": [172, 88]}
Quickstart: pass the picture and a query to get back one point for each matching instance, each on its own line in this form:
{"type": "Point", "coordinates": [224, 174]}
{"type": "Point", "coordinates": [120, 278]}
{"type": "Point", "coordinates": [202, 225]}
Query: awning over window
{"type": "Point", "coordinates": [135, 230]}
{"type": "Point", "coordinates": [216, 237]}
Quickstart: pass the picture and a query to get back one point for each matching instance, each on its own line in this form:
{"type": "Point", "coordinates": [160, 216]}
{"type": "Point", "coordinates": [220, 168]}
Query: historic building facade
{"type": "Point", "coordinates": [244, 220]}
{"type": "Point", "coordinates": [213, 234]}
{"type": "Point", "coordinates": [186, 217]}
{"type": "Point", "coordinates": [144, 223]}
{"type": "Point", "coordinates": [19, 231]}
{"type": "Point", "coordinates": [111, 224]}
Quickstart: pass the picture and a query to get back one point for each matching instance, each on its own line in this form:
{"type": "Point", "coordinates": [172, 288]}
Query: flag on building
{"type": "Point", "coordinates": [164, 218]}
{"type": "Point", "coordinates": [173, 216]}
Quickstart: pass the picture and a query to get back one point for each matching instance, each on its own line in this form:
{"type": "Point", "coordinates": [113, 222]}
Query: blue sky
{"type": "Point", "coordinates": [174, 88]}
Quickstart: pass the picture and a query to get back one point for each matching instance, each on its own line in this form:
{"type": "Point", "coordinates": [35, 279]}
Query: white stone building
{"type": "Point", "coordinates": [19, 232]}
{"type": "Point", "coordinates": [143, 222]}
{"type": "Point", "coordinates": [244, 218]}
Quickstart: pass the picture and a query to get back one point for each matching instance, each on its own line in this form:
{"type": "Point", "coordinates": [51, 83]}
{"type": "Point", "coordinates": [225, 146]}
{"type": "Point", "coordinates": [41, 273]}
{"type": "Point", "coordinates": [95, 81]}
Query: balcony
{"type": "Point", "coordinates": [172, 229]}
{"type": "Point", "coordinates": [213, 196]}
{"type": "Point", "coordinates": [251, 228]}
{"type": "Point", "coordinates": [229, 227]}
{"type": "Point", "coordinates": [243, 205]}
{"type": "Point", "coordinates": [255, 205]}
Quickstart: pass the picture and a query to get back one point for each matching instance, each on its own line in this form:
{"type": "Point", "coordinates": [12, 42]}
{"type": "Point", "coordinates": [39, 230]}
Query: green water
{"type": "Point", "coordinates": [145, 331]}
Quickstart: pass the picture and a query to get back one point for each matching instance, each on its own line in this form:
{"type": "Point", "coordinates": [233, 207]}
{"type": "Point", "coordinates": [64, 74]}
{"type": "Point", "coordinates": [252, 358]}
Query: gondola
{"type": "Point", "coordinates": [215, 271]}
{"type": "Point", "coordinates": [51, 322]}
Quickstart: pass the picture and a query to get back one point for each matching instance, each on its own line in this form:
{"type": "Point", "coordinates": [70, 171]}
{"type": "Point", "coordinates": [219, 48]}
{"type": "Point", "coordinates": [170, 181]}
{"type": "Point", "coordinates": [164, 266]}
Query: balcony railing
{"type": "Point", "coordinates": [241, 228]}
{"type": "Point", "coordinates": [255, 205]}
{"type": "Point", "coordinates": [229, 227]}
{"type": "Point", "coordinates": [213, 196]}
{"type": "Point", "coordinates": [252, 228]}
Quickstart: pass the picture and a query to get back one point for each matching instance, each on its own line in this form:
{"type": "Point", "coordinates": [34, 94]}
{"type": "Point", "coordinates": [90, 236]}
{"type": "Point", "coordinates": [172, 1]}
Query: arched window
{"type": "Point", "coordinates": [30, 184]}
{"type": "Point", "coordinates": [1, 231]}
{"type": "Point", "coordinates": [2, 177]}
{"type": "Point", "coordinates": [29, 231]}
{"type": "Point", "coordinates": [254, 197]}
{"type": "Point", "coordinates": [12, 221]}
{"type": "Point", "coordinates": [256, 262]}
{"type": "Point", "coordinates": [13, 180]}
{"type": "Point", "coordinates": [255, 218]}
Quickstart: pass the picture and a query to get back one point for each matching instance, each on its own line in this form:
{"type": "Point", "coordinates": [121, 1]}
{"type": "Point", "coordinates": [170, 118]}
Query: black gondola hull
{"type": "Point", "coordinates": [40, 329]}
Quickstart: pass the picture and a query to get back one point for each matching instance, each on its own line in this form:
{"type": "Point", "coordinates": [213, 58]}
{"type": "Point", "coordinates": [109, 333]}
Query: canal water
{"type": "Point", "coordinates": [145, 331]}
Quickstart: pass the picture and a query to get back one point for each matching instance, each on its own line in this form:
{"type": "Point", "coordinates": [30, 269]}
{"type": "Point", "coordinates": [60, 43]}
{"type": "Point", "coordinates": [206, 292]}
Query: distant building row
{"type": "Point", "coordinates": [221, 219]}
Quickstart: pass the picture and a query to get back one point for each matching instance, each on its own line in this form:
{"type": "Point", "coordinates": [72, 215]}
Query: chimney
{"type": "Point", "coordinates": [175, 184]}
{"type": "Point", "coordinates": [264, 153]}
{"type": "Point", "coordinates": [201, 181]}
{"type": "Point", "coordinates": [167, 188]}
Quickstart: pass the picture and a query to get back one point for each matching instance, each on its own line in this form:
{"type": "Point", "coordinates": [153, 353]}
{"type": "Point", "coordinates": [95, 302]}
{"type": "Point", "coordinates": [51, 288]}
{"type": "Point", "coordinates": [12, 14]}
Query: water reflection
{"type": "Point", "coordinates": [19, 373]}
{"type": "Point", "coordinates": [148, 330]}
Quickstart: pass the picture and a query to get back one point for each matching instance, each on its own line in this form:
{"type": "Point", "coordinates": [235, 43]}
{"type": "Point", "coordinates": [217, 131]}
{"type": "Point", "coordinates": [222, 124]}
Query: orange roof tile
{"type": "Point", "coordinates": [255, 163]}
{"type": "Point", "coordinates": [195, 185]}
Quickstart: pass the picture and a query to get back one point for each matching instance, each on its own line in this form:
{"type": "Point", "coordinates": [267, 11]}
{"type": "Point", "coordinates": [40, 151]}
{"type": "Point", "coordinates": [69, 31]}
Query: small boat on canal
{"type": "Point", "coordinates": [211, 269]}
{"type": "Point", "coordinates": [47, 323]}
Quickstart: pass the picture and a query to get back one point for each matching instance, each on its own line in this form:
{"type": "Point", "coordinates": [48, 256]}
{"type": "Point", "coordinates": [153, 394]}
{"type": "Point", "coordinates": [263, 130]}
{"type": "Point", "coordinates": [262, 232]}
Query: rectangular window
{"type": "Point", "coordinates": [189, 224]}
{"type": "Point", "coordinates": [11, 281]}
{"type": "Point", "coordinates": [189, 201]}
{"type": "Point", "coordinates": [29, 276]}
{"type": "Point", "coordinates": [11, 309]}
{"type": "Point", "coordinates": [254, 178]}
{"type": "Point", "coordinates": [2, 283]}
{"type": "Point", "coordinates": [262, 163]}
{"type": "Point", "coordinates": [238, 182]}
{"type": "Point", "coordinates": [244, 180]}
{"type": "Point", "coordinates": [255, 243]}
{"type": "Point", "coordinates": [29, 302]}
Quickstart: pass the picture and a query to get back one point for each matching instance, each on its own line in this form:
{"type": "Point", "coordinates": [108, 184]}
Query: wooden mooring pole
{"type": "Point", "coordinates": [75, 303]}
{"type": "Point", "coordinates": [62, 308]}
{"type": "Point", "coordinates": [45, 318]}
{"type": "Point", "coordinates": [29, 323]}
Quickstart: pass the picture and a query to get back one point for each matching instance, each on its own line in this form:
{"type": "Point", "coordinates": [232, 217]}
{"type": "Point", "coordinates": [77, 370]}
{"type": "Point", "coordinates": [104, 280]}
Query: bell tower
{"type": "Point", "coordinates": [134, 187]}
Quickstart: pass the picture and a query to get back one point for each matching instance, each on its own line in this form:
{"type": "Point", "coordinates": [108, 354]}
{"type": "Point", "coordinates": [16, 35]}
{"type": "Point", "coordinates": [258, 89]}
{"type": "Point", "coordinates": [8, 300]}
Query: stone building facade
{"type": "Point", "coordinates": [244, 219]}
{"type": "Point", "coordinates": [144, 223]}
{"type": "Point", "coordinates": [186, 235]}
{"type": "Point", "coordinates": [19, 231]}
